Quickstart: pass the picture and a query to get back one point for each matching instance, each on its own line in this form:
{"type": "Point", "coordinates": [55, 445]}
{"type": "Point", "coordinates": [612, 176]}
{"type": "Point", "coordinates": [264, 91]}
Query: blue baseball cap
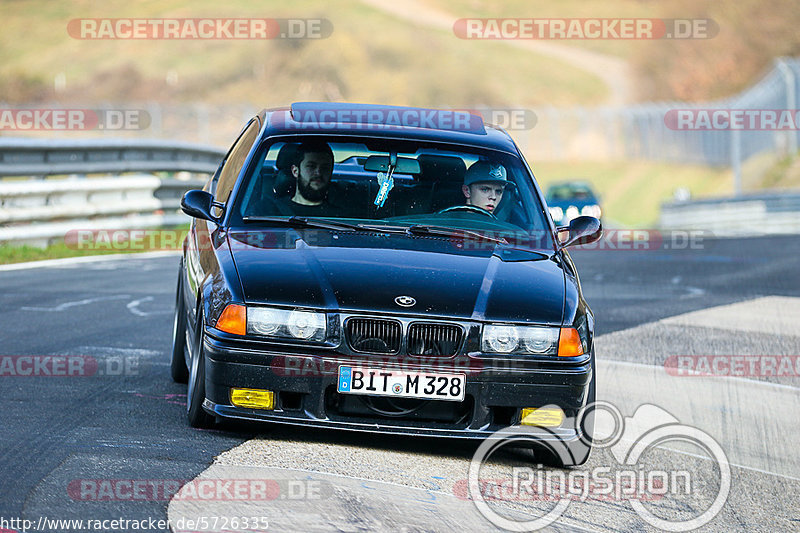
{"type": "Point", "coordinates": [483, 171]}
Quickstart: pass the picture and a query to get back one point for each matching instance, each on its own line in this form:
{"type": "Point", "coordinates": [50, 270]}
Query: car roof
{"type": "Point", "coordinates": [368, 120]}
{"type": "Point", "coordinates": [571, 184]}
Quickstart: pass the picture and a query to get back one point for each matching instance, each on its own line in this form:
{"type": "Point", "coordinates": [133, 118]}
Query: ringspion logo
{"type": "Point", "coordinates": [626, 478]}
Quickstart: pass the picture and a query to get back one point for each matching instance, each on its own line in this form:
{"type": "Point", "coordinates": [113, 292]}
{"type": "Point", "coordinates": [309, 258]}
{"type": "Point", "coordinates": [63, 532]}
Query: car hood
{"type": "Point", "coordinates": [367, 272]}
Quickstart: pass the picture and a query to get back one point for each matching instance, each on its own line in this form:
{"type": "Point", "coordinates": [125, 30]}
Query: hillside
{"type": "Point", "coordinates": [369, 57]}
{"type": "Point", "coordinates": [751, 34]}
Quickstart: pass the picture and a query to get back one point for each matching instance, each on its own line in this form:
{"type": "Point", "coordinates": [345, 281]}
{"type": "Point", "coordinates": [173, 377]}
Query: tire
{"type": "Point", "coordinates": [580, 450]}
{"type": "Point", "coordinates": [196, 389]}
{"type": "Point", "coordinates": [178, 369]}
{"type": "Point", "coordinates": [577, 452]}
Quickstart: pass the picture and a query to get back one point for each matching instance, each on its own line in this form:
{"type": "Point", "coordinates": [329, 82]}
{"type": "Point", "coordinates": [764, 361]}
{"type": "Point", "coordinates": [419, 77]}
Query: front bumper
{"type": "Point", "coordinates": [305, 388]}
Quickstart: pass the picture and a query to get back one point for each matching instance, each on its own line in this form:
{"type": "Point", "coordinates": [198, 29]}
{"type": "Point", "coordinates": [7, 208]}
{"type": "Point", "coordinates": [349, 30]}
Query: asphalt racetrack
{"type": "Point", "coordinates": [110, 440]}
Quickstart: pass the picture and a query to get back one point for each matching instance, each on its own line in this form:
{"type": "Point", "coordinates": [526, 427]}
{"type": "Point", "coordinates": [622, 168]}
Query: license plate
{"type": "Point", "coordinates": [397, 384]}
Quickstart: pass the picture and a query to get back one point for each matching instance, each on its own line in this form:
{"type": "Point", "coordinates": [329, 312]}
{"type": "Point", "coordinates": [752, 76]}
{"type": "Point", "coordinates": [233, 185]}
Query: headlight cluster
{"type": "Point", "coordinates": [503, 339]}
{"type": "Point", "coordinates": [282, 323]}
{"type": "Point", "coordinates": [572, 212]}
{"type": "Point", "coordinates": [591, 211]}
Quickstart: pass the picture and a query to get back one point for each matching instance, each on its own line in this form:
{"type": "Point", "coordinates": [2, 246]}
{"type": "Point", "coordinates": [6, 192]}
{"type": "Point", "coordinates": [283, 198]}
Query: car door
{"type": "Point", "coordinates": [200, 257]}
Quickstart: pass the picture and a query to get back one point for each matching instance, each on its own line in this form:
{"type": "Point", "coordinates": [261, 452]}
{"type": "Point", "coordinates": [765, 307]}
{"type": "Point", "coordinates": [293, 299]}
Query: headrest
{"type": "Point", "coordinates": [287, 156]}
{"type": "Point", "coordinates": [441, 168]}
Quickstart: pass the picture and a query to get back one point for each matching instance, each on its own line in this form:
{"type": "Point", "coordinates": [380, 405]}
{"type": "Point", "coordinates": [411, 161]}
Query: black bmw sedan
{"type": "Point", "coordinates": [382, 269]}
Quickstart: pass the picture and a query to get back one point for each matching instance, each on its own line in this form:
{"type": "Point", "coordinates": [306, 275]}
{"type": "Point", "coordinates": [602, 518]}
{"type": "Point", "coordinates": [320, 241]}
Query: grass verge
{"type": "Point", "coordinates": [101, 243]}
{"type": "Point", "coordinates": [631, 192]}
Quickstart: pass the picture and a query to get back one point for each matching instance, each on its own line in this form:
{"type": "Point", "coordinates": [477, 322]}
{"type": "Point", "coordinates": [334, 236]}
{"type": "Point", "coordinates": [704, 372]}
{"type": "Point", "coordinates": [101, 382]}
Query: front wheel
{"type": "Point", "coordinates": [178, 369]}
{"type": "Point", "coordinates": [561, 454]}
{"type": "Point", "coordinates": [196, 390]}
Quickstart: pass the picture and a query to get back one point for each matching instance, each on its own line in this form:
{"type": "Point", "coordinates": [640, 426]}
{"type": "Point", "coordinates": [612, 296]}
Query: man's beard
{"type": "Point", "coordinates": [309, 193]}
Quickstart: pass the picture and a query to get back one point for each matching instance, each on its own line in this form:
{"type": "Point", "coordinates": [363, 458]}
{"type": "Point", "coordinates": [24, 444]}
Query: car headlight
{"type": "Point", "coordinates": [532, 340]}
{"type": "Point", "coordinates": [557, 213]}
{"type": "Point", "coordinates": [591, 211]}
{"type": "Point", "coordinates": [283, 323]}
{"type": "Point", "coordinates": [572, 212]}
{"type": "Point", "coordinates": [500, 339]}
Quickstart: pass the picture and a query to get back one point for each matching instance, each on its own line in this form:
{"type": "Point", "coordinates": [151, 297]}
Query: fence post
{"type": "Point", "coordinates": [736, 160]}
{"type": "Point", "coordinates": [791, 99]}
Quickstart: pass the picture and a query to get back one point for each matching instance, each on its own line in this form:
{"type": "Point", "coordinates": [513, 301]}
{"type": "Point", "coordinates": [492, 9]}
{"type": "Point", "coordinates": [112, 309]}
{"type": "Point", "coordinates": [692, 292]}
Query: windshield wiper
{"type": "Point", "coordinates": [305, 222]}
{"type": "Point", "coordinates": [416, 229]}
{"type": "Point", "coordinates": [422, 229]}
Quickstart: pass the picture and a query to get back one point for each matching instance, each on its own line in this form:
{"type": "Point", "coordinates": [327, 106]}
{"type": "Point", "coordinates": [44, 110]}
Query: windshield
{"type": "Point", "coordinates": [394, 184]}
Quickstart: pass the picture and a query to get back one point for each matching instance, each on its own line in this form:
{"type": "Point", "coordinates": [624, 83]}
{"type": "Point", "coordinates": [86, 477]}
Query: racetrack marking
{"type": "Point", "coordinates": [376, 504]}
{"type": "Point", "coordinates": [738, 413]}
{"type": "Point", "coordinates": [744, 381]}
{"type": "Point", "coordinates": [75, 303]}
{"type": "Point", "coordinates": [693, 292]}
{"type": "Point", "coordinates": [66, 261]}
{"type": "Point", "coordinates": [755, 421]}
{"type": "Point", "coordinates": [778, 315]}
{"type": "Point", "coordinates": [133, 307]}
{"type": "Point", "coordinates": [743, 467]}
{"type": "Point", "coordinates": [365, 481]}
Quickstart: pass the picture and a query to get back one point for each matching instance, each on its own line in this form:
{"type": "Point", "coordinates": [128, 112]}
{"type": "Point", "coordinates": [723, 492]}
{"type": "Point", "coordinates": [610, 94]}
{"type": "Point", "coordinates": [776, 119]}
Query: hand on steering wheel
{"type": "Point", "coordinates": [470, 208]}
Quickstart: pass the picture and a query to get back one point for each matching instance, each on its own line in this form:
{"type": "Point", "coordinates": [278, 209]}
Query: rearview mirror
{"type": "Point", "coordinates": [581, 230]}
{"type": "Point", "coordinates": [380, 163]}
{"type": "Point", "coordinates": [198, 204]}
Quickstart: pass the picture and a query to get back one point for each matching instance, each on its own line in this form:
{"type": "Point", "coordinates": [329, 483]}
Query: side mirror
{"type": "Point", "coordinates": [581, 230]}
{"type": "Point", "coordinates": [198, 204]}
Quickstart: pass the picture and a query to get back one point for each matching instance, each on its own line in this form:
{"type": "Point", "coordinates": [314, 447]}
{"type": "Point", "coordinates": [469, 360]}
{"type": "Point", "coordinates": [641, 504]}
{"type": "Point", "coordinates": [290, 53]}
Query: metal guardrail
{"type": "Point", "coordinates": [752, 214]}
{"type": "Point", "coordinates": [35, 212]}
{"type": "Point", "coordinates": [47, 157]}
{"type": "Point", "coordinates": [38, 211]}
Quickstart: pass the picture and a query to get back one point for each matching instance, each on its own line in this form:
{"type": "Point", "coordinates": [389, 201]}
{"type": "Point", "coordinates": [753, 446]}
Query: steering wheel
{"type": "Point", "coordinates": [470, 208]}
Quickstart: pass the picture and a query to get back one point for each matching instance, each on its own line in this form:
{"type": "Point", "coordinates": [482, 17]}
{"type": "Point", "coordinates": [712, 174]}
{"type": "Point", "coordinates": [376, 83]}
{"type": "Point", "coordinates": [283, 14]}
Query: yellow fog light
{"type": "Point", "coordinates": [549, 417]}
{"type": "Point", "coordinates": [253, 398]}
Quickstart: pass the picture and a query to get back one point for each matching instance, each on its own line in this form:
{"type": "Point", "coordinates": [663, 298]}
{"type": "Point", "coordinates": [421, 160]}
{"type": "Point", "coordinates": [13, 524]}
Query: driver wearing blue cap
{"type": "Point", "coordinates": [484, 184]}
